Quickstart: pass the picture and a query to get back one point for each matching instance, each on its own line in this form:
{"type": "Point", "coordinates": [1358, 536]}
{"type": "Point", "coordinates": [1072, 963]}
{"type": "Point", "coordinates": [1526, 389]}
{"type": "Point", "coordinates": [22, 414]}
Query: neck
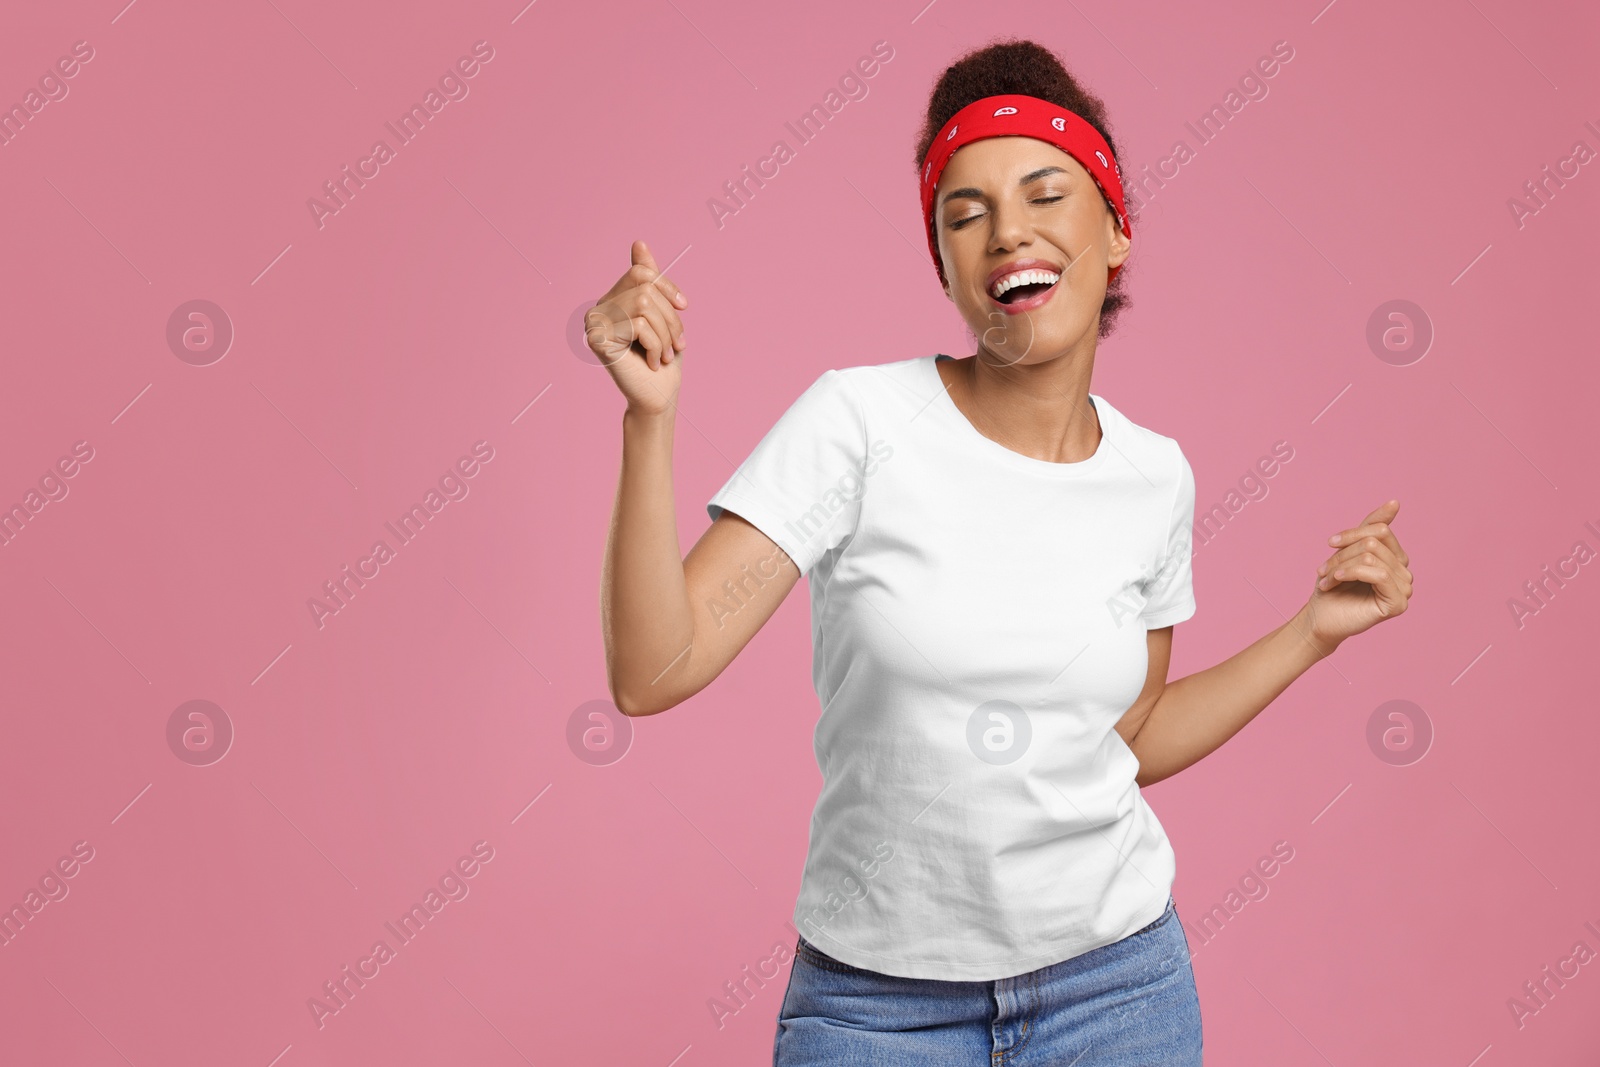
{"type": "Point", "coordinates": [1041, 409]}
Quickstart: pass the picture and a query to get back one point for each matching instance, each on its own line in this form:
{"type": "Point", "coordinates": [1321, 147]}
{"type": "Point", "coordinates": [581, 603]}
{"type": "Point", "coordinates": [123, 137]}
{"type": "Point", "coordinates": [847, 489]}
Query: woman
{"type": "Point", "coordinates": [997, 558]}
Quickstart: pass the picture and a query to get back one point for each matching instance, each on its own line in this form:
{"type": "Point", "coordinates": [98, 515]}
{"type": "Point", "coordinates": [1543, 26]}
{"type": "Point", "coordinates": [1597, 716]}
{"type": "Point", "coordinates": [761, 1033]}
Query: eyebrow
{"type": "Point", "coordinates": [972, 193]}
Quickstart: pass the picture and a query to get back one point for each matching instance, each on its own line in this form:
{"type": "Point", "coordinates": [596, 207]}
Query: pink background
{"type": "Point", "coordinates": [430, 312]}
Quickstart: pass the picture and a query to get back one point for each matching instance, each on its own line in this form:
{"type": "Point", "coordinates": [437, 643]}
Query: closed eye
{"type": "Point", "coordinates": [956, 225]}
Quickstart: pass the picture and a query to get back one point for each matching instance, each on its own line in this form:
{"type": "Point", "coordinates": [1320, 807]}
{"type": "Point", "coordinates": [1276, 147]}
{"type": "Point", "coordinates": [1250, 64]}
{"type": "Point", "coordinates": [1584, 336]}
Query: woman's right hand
{"type": "Point", "coordinates": [635, 331]}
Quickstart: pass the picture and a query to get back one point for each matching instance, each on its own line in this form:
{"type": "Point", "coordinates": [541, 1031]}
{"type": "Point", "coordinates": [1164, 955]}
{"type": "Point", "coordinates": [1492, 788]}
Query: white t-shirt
{"type": "Point", "coordinates": [978, 622]}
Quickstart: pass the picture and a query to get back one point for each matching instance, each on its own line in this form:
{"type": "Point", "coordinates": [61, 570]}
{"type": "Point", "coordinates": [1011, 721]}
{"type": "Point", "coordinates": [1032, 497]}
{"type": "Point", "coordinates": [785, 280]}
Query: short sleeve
{"type": "Point", "coordinates": [802, 484]}
{"type": "Point", "coordinates": [1169, 592]}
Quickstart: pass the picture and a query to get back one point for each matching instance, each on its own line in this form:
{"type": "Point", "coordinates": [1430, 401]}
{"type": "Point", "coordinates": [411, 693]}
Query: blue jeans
{"type": "Point", "coordinates": [1132, 1002]}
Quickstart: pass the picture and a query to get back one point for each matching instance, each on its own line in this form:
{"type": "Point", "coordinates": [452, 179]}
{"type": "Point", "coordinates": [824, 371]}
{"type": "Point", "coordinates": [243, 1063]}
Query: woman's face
{"type": "Point", "coordinates": [1006, 201]}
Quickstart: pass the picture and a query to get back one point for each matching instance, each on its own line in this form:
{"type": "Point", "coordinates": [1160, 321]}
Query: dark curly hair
{"type": "Point", "coordinates": [1019, 66]}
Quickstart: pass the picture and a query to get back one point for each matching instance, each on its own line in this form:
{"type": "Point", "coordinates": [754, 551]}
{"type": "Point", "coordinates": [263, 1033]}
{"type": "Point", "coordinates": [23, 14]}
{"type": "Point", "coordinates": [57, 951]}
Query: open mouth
{"type": "Point", "coordinates": [1021, 286]}
{"type": "Point", "coordinates": [1023, 292]}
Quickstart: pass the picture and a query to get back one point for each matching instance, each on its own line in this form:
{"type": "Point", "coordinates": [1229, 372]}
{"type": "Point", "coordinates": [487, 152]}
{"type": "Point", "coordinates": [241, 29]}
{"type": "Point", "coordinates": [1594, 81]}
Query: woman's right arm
{"type": "Point", "coordinates": [670, 624]}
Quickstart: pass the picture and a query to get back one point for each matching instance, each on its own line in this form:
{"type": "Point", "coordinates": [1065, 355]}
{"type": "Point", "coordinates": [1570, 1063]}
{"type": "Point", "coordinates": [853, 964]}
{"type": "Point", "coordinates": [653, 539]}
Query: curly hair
{"type": "Point", "coordinates": [1019, 66]}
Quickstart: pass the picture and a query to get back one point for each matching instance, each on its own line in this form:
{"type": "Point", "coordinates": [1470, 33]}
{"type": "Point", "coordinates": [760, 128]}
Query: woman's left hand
{"type": "Point", "coordinates": [1366, 580]}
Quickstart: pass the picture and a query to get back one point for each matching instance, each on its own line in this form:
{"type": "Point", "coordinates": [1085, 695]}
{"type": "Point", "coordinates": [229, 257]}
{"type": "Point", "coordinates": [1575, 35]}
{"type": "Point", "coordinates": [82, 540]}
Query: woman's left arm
{"type": "Point", "coordinates": [1366, 580]}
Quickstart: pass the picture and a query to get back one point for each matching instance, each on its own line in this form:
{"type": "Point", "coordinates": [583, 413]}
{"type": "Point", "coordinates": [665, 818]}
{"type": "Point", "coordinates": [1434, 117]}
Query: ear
{"type": "Point", "coordinates": [1121, 246]}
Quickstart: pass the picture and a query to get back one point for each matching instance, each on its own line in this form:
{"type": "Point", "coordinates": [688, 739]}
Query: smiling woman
{"type": "Point", "coordinates": [992, 616]}
{"type": "Point", "coordinates": [1027, 69]}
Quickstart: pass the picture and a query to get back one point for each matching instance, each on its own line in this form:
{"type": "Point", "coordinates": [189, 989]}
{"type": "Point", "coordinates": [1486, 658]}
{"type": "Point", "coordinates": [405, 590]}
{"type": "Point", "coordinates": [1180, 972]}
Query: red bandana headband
{"type": "Point", "coordinates": [1016, 115]}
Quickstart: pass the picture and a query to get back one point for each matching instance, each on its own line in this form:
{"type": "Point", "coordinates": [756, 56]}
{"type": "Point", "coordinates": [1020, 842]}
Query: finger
{"type": "Point", "coordinates": [637, 273]}
{"type": "Point", "coordinates": [649, 304]}
{"type": "Point", "coordinates": [629, 307]}
{"type": "Point", "coordinates": [629, 336]}
{"type": "Point", "coordinates": [1344, 568]}
{"type": "Point", "coordinates": [596, 328]}
{"type": "Point", "coordinates": [1362, 553]}
{"type": "Point", "coordinates": [643, 258]}
{"type": "Point", "coordinates": [1347, 573]}
{"type": "Point", "coordinates": [659, 340]}
{"type": "Point", "coordinates": [1365, 554]}
{"type": "Point", "coordinates": [679, 298]}
{"type": "Point", "coordinates": [1380, 529]}
{"type": "Point", "coordinates": [641, 278]}
{"type": "Point", "coordinates": [1366, 546]}
{"type": "Point", "coordinates": [608, 331]}
{"type": "Point", "coordinates": [1391, 601]}
{"type": "Point", "coordinates": [1384, 532]}
{"type": "Point", "coordinates": [669, 314]}
{"type": "Point", "coordinates": [1384, 512]}
{"type": "Point", "coordinates": [670, 290]}
{"type": "Point", "coordinates": [647, 342]}
{"type": "Point", "coordinates": [1344, 537]}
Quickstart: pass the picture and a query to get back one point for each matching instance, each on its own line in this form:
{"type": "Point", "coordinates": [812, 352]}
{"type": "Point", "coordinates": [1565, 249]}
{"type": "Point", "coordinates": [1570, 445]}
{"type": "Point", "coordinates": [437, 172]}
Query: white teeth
{"type": "Point", "coordinates": [1023, 277]}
